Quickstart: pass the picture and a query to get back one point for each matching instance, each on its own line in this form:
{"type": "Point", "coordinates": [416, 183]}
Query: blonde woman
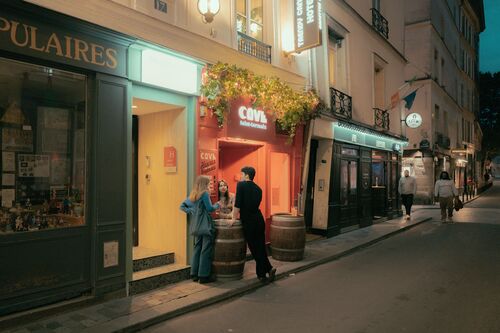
{"type": "Point", "coordinates": [199, 206]}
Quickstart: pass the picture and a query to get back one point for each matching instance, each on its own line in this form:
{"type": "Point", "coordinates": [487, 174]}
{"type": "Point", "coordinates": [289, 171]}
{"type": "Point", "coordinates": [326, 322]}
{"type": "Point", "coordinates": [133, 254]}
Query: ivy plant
{"type": "Point", "coordinates": [222, 83]}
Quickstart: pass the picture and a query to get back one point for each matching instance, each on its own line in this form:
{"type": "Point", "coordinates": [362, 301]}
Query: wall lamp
{"type": "Point", "coordinates": [208, 9]}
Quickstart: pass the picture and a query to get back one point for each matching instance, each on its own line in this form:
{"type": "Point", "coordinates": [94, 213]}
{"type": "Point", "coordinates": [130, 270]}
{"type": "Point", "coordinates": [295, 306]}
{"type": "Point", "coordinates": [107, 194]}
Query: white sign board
{"type": "Point", "coordinates": [414, 120]}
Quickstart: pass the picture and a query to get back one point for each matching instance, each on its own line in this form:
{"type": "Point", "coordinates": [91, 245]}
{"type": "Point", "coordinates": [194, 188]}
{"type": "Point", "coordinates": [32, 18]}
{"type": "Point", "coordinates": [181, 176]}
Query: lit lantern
{"type": "Point", "coordinates": [208, 8]}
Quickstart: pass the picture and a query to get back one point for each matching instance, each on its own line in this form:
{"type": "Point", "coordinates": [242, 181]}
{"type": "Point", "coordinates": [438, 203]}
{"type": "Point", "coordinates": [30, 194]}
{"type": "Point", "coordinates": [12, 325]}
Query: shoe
{"type": "Point", "coordinates": [194, 278]}
{"type": "Point", "coordinates": [272, 274]}
{"type": "Point", "coordinates": [206, 279]}
{"type": "Point", "coordinates": [263, 279]}
{"type": "Point", "coordinates": [407, 217]}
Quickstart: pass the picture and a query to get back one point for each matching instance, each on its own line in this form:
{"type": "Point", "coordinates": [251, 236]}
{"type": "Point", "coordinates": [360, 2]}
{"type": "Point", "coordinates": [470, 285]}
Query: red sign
{"type": "Point", "coordinates": [208, 166]}
{"type": "Point", "coordinates": [170, 159]}
{"type": "Point", "coordinates": [249, 122]}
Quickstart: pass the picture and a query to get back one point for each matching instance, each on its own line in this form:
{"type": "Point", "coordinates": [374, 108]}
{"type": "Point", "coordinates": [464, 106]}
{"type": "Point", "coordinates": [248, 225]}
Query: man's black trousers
{"type": "Point", "coordinates": [407, 202]}
{"type": "Point", "coordinates": [254, 229]}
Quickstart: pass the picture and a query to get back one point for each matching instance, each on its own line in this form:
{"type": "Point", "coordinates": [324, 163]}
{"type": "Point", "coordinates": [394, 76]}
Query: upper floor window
{"type": "Point", "coordinates": [249, 18]}
{"type": "Point", "coordinates": [337, 61]}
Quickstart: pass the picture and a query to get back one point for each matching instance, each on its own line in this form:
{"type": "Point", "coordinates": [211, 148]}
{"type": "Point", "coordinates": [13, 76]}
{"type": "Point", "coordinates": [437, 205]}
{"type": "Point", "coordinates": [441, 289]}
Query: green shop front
{"type": "Point", "coordinates": [363, 177]}
{"type": "Point", "coordinates": [69, 94]}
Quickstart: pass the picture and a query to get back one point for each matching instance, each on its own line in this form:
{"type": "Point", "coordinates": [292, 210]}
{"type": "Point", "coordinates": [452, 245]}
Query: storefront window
{"type": "Point", "coordinates": [378, 174]}
{"type": "Point", "coordinates": [42, 123]}
{"type": "Point", "coordinates": [350, 151]}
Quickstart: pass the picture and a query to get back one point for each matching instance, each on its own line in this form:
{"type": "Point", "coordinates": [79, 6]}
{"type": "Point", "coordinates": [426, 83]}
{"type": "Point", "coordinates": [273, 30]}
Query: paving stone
{"type": "Point", "coordinates": [53, 325]}
{"type": "Point", "coordinates": [88, 322]}
{"type": "Point", "coordinates": [63, 330]}
{"type": "Point", "coordinates": [34, 327]}
{"type": "Point", "coordinates": [77, 317]}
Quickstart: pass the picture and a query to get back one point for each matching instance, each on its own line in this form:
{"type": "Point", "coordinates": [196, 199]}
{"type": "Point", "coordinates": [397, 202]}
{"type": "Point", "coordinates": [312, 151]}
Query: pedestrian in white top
{"type": "Point", "coordinates": [445, 191]}
{"type": "Point", "coordinates": [407, 188]}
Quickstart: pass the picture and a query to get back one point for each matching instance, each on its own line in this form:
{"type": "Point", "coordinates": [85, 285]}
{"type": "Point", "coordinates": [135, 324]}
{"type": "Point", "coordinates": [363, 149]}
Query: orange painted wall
{"type": "Point", "coordinates": [235, 152]}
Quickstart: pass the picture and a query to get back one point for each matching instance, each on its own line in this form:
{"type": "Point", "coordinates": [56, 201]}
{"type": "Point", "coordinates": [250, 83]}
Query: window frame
{"type": "Point", "coordinates": [249, 21]}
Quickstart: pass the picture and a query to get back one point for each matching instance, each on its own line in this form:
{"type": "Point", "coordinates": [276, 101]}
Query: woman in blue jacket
{"type": "Point", "coordinates": [199, 199]}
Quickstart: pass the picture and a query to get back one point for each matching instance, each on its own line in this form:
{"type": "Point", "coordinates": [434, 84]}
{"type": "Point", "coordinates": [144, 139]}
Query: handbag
{"type": "Point", "coordinates": [458, 204]}
{"type": "Point", "coordinates": [201, 224]}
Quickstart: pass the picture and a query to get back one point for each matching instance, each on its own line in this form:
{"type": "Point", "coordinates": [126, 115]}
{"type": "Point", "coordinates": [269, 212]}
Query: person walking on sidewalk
{"type": "Point", "coordinates": [199, 206]}
{"type": "Point", "coordinates": [246, 205]}
{"type": "Point", "coordinates": [407, 188]}
{"type": "Point", "coordinates": [445, 191]}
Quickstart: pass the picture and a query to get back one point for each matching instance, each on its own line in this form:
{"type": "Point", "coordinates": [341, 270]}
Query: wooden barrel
{"type": "Point", "coordinates": [229, 251]}
{"type": "Point", "coordinates": [288, 237]}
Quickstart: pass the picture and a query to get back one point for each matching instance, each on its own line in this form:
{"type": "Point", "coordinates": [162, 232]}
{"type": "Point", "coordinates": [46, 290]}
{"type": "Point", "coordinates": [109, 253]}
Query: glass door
{"type": "Point", "coordinates": [349, 192]}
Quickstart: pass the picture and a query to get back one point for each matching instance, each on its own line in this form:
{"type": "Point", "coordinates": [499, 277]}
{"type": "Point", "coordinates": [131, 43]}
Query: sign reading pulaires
{"type": "Point", "coordinates": [306, 24]}
{"type": "Point", "coordinates": [43, 41]}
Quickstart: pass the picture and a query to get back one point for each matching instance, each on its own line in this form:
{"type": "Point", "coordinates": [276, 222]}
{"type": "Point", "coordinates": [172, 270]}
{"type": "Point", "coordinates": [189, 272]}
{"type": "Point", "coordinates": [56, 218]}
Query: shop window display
{"type": "Point", "coordinates": [42, 125]}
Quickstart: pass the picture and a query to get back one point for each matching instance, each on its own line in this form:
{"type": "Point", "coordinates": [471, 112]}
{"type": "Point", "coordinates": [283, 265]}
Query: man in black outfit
{"type": "Point", "coordinates": [247, 202]}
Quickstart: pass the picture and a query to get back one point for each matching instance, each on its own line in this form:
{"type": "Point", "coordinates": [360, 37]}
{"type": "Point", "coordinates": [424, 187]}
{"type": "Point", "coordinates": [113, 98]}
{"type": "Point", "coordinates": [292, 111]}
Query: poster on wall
{"type": "Point", "coordinates": [15, 139]}
{"type": "Point", "coordinates": [8, 196]}
{"type": "Point", "coordinates": [110, 252]}
{"type": "Point", "coordinates": [55, 118]}
{"type": "Point", "coordinates": [59, 171]}
{"type": "Point", "coordinates": [33, 165]}
{"type": "Point", "coordinates": [8, 179]}
{"type": "Point", "coordinates": [54, 141]}
{"type": "Point", "coordinates": [8, 161]}
{"type": "Point", "coordinates": [170, 159]}
{"type": "Point", "coordinates": [208, 167]}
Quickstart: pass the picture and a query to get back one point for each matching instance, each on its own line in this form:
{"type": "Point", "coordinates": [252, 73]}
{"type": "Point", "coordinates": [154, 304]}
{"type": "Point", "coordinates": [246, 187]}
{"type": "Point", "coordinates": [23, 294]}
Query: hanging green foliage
{"type": "Point", "coordinates": [223, 83]}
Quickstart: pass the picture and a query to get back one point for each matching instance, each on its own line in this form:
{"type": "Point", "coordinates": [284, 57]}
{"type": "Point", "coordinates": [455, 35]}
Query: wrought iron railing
{"type": "Point", "coordinates": [254, 47]}
{"type": "Point", "coordinates": [340, 104]}
{"type": "Point", "coordinates": [381, 118]}
{"type": "Point", "coordinates": [380, 23]}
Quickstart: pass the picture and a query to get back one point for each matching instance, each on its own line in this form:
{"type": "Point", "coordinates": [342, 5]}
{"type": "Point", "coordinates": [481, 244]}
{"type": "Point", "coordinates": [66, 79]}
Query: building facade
{"type": "Point", "coordinates": [355, 146]}
{"type": "Point", "coordinates": [442, 45]}
{"type": "Point", "coordinates": [103, 136]}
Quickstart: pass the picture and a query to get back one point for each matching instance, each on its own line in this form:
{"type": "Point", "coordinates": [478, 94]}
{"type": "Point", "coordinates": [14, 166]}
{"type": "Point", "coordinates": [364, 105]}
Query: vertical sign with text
{"type": "Point", "coordinates": [170, 159]}
{"type": "Point", "coordinates": [208, 166]}
{"type": "Point", "coordinates": [306, 24]}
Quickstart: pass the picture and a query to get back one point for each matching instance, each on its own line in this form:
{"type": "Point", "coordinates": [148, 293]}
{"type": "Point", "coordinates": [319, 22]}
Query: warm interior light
{"type": "Point", "coordinates": [208, 8]}
{"type": "Point", "coordinates": [287, 36]}
{"type": "Point", "coordinates": [134, 106]}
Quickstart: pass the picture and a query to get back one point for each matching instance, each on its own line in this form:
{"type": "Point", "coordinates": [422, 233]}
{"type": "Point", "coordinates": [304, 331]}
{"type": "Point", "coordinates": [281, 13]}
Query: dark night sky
{"type": "Point", "coordinates": [489, 58]}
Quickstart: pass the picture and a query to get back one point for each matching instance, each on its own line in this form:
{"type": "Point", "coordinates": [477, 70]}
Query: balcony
{"type": "Point", "coordinates": [381, 119]}
{"type": "Point", "coordinates": [340, 104]}
{"type": "Point", "coordinates": [380, 23]}
{"type": "Point", "coordinates": [254, 47]}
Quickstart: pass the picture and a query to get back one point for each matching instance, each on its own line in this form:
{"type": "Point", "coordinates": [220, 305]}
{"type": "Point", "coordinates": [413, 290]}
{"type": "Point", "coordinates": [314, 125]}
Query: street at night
{"type": "Point", "coordinates": [433, 278]}
{"type": "Point", "coordinates": [250, 166]}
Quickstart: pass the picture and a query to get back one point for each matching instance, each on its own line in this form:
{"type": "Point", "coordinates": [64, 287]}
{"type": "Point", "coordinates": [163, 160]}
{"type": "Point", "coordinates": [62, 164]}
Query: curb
{"type": "Point", "coordinates": [256, 285]}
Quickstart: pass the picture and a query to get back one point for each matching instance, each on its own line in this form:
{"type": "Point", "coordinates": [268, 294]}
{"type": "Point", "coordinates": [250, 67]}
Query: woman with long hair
{"type": "Point", "coordinates": [199, 206]}
{"type": "Point", "coordinates": [445, 191]}
{"type": "Point", "coordinates": [226, 201]}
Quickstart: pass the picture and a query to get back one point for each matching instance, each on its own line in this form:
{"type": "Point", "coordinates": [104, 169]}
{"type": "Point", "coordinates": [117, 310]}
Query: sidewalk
{"type": "Point", "coordinates": [136, 312]}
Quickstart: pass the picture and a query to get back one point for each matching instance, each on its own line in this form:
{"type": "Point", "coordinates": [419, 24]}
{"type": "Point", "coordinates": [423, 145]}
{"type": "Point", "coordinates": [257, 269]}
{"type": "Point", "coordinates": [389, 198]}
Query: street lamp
{"type": "Point", "coordinates": [208, 9]}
